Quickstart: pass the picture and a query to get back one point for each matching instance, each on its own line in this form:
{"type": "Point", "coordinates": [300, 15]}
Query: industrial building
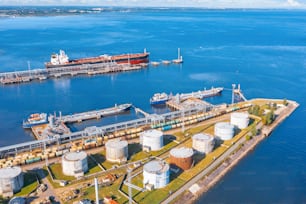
{"type": "Point", "coordinates": [152, 140]}
{"type": "Point", "coordinates": [181, 157]}
{"type": "Point", "coordinates": [11, 180]}
{"type": "Point", "coordinates": [156, 173]}
{"type": "Point", "coordinates": [116, 150]}
{"type": "Point", "coordinates": [240, 119]}
{"type": "Point", "coordinates": [224, 130]}
{"type": "Point", "coordinates": [75, 163]}
{"type": "Point", "coordinates": [203, 143]}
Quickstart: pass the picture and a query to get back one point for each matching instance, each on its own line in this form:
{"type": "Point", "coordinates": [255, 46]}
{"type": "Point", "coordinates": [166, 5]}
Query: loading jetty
{"type": "Point", "coordinates": [61, 66]}
{"type": "Point", "coordinates": [55, 126]}
{"type": "Point", "coordinates": [162, 98]}
{"type": "Point", "coordinates": [84, 69]}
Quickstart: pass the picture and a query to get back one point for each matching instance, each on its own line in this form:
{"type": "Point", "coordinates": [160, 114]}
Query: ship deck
{"type": "Point", "coordinates": [95, 114]}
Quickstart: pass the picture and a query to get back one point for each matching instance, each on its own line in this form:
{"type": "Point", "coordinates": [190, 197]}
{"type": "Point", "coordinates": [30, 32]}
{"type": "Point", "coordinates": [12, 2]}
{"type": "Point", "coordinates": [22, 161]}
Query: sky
{"type": "Point", "coordinates": [167, 3]}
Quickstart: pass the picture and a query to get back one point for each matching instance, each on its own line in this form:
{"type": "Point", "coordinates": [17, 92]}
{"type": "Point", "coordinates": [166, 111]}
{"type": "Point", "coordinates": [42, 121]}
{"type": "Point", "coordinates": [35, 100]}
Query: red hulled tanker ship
{"type": "Point", "coordinates": [61, 59]}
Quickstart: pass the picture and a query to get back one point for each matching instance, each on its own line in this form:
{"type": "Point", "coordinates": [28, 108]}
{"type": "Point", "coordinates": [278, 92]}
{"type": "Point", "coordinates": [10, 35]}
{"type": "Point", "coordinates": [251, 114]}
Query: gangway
{"type": "Point", "coordinates": [239, 93]}
{"type": "Point", "coordinates": [138, 110]}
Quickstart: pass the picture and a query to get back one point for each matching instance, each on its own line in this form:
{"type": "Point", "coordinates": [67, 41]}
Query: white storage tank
{"type": "Point", "coordinates": [116, 150]}
{"type": "Point", "coordinates": [224, 130]}
{"type": "Point", "coordinates": [240, 119]}
{"type": "Point", "coordinates": [156, 173]}
{"type": "Point", "coordinates": [203, 143]}
{"type": "Point", "coordinates": [74, 163]}
{"type": "Point", "coordinates": [11, 180]}
{"type": "Point", "coordinates": [152, 140]}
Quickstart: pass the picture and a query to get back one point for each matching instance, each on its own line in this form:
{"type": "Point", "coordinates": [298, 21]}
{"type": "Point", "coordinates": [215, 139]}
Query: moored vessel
{"type": "Point", "coordinates": [159, 98]}
{"type": "Point", "coordinates": [117, 109]}
{"type": "Point", "coordinates": [62, 59]}
{"type": "Point", "coordinates": [35, 119]}
{"type": "Point", "coordinates": [201, 94]}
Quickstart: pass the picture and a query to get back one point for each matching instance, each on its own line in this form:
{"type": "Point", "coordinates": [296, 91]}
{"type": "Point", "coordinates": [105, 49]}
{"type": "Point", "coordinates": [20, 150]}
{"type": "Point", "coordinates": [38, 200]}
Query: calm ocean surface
{"type": "Point", "coordinates": [264, 51]}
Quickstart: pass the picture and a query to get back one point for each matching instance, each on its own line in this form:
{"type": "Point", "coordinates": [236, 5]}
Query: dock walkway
{"type": "Point", "coordinates": [84, 69]}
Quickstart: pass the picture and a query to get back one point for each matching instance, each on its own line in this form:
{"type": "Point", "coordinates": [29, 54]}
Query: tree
{"type": "Point", "coordinates": [270, 117]}
{"type": "Point", "coordinates": [264, 120]}
{"type": "Point", "coordinates": [285, 102]}
{"type": "Point", "coordinates": [254, 131]}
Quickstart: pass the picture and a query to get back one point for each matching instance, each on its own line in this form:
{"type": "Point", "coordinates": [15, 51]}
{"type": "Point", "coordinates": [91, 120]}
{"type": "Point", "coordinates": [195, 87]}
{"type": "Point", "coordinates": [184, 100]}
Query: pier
{"type": "Point", "coordinates": [179, 59]}
{"type": "Point", "coordinates": [85, 69]}
{"type": "Point", "coordinates": [237, 94]}
{"type": "Point", "coordinates": [138, 110]}
{"type": "Point", "coordinates": [177, 104]}
{"type": "Point", "coordinates": [162, 121]}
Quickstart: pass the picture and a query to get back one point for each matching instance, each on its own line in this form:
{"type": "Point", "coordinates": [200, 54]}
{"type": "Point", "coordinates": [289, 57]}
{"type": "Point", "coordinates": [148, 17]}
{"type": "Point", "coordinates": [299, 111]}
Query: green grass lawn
{"type": "Point", "coordinates": [101, 158]}
{"type": "Point", "coordinates": [92, 166]}
{"type": "Point", "coordinates": [140, 156]}
{"type": "Point", "coordinates": [164, 149]}
{"type": "Point", "coordinates": [30, 184]}
{"type": "Point", "coordinates": [57, 172]}
{"type": "Point", "coordinates": [111, 190]}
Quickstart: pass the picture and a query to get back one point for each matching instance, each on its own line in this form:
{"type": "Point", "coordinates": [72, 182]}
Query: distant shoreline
{"type": "Point", "coordinates": [12, 11]}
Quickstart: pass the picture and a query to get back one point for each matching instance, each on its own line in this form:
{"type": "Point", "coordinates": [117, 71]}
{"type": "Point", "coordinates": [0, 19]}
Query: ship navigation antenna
{"type": "Point", "coordinates": [29, 67]}
{"type": "Point", "coordinates": [233, 94]}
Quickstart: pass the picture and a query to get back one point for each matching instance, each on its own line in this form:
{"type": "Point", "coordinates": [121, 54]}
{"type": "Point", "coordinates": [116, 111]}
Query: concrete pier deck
{"type": "Point", "coordinates": [85, 69]}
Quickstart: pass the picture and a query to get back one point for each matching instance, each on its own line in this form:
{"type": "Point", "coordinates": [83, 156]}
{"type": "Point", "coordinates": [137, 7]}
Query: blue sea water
{"type": "Point", "coordinates": [263, 50]}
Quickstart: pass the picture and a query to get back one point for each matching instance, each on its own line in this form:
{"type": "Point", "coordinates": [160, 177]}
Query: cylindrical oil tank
{"type": "Point", "coordinates": [203, 143]}
{"type": "Point", "coordinates": [224, 130]}
{"type": "Point", "coordinates": [74, 163]}
{"type": "Point", "coordinates": [156, 173]}
{"type": "Point", "coordinates": [181, 157]}
{"type": "Point", "coordinates": [152, 140]}
{"type": "Point", "coordinates": [240, 119]}
{"type": "Point", "coordinates": [11, 180]}
{"type": "Point", "coordinates": [116, 150]}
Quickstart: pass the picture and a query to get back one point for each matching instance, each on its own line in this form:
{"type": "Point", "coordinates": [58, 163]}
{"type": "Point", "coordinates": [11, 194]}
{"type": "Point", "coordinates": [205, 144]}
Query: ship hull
{"type": "Point", "coordinates": [119, 109]}
{"type": "Point", "coordinates": [160, 102]}
{"type": "Point", "coordinates": [132, 59]}
{"type": "Point", "coordinates": [29, 125]}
